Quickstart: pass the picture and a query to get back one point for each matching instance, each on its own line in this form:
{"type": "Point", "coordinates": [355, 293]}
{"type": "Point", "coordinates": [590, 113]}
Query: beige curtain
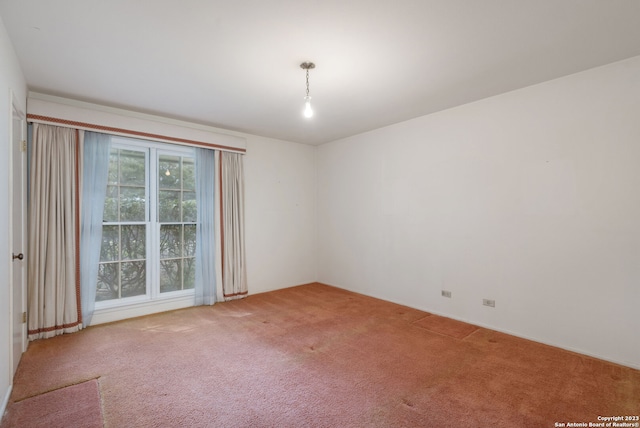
{"type": "Point", "coordinates": [53, 287]}
{"type": "Point", "coordinates": [234, 269]}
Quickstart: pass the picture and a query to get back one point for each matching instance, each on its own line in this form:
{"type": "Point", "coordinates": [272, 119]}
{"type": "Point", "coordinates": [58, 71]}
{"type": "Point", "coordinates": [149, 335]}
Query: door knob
{"type": "Point", "coordinates": [19, 256]}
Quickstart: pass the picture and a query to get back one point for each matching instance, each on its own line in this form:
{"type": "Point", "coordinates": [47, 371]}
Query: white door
{"type": "Point", "coordinates": [18, 235]}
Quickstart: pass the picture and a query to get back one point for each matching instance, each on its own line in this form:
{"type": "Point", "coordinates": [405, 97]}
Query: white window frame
{"type": "Point", "coordinates": [153, 301]}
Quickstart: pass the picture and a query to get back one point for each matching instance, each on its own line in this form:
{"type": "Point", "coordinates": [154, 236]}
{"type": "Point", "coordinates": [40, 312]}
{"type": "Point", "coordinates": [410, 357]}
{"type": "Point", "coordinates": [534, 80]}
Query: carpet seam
{"type": "Point", "coordinates": [415, 324]}
{"type": "Point", "coordinates": [444, 334]}
{"type": "Point", "coordinates": [58, 388]}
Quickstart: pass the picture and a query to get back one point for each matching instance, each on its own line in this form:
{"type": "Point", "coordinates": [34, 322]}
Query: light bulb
{"type": "Point", "coordinates": [307, 107]}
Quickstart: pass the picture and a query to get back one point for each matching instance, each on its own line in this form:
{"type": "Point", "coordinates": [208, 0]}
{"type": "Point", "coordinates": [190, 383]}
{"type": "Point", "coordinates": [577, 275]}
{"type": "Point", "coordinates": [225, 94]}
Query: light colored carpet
{"type": "Point", "coordinates": [318, 356]}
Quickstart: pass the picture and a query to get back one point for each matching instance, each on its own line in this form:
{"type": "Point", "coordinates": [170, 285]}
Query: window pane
{"type": "Point", "coordinates": [189, 272]}
{"type": "Point", "coordinates": [134, 242]}
{"type": "Point", "coordinates": [111, 204]}
{"type": "Point", "coordinates": [188, 174]}
{"type": "Point", "coordinates": [169, 206]}
{"type": "Point", "coordinates": [189, 240]}
{"type": "Point", "coordinates": [170, 241]}
{"type": "Point", "coordinates": [134, 278]}
{"type": "Point", "coordinates": [170, 275]}
{"type": "Point", "coordinates": [113, 167]}
{"type": "Point", "coordinates": [107, 287]}
{"type": "Point", "coordinates": [169, 172]}
{"type": "Point", "coordinates": [132, 168]}
{"type": "Point", "coordinates": [110, 250]}
{"type": "Point", "coordinates": [132, 204]}
{"type": "Point", "coordinates": [189, 210]}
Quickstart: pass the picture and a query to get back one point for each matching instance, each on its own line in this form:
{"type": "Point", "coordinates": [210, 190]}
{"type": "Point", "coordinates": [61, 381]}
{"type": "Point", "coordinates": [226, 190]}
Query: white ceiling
{"type": "Point", "coordinates": [235, 64]}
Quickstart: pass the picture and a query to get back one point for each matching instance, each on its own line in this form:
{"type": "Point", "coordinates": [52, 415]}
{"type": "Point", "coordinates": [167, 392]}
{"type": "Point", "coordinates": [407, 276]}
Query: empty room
{"type": "Point", "coordinates": [418, 213]}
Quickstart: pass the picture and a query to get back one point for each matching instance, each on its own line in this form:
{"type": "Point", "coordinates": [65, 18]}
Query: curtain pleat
{"type": "Point", "coordinates": [234, 269]}
{"type": "Point", "coordinates": [205, 287]}
{"type": "Point", "coordinates": [53, 301]}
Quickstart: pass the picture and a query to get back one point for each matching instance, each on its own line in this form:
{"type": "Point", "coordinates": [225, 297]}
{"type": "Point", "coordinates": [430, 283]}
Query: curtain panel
{"type": "Point", "coordinates": [234, 268]}
{"type": "Point", "coordinates": [205, 287]}
{"type": "Point", "coordinates": [95, 170]}
{"type": "Point", "coordinates": [53, 278]}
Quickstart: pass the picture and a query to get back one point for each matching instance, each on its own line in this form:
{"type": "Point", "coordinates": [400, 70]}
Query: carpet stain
{"type": "Point", "coordinates": [407, 403]}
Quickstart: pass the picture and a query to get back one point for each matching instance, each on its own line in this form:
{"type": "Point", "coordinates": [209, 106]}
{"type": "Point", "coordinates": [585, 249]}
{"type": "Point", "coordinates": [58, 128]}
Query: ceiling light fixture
{"type": "Point", "coordinates": [307, 99]}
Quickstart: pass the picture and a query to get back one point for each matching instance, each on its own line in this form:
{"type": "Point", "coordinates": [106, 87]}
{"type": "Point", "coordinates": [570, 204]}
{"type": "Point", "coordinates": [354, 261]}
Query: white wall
{"type": "Point", "coordinates": [280, 214]}
{"type": "Point", "coordinates": [531, 198]}
{"type": "Point", "coordinates": [11, 79]}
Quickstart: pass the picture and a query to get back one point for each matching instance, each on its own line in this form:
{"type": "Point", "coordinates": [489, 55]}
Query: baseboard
{"type": "Point", "coordinates": [5, 401]}
{"type": "Point", "coordinates": [501, 330]}
{"type": "Point", "coordinates": [543, 342]}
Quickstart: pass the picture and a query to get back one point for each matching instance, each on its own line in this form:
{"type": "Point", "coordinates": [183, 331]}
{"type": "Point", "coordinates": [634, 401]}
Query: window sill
{"type": "Point", "coordinates": [148, 307]}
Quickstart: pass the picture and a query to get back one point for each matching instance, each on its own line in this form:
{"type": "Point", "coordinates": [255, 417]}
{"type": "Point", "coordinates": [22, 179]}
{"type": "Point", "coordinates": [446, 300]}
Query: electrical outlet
{"type": "Point", "coordinates": [446, 293]}
{"type": "Point", "coordinates": [488, 302]}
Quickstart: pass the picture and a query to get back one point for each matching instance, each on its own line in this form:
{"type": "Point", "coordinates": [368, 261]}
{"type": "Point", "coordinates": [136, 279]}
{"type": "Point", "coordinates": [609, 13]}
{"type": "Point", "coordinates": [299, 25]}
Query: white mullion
{"type": "Point", "coordinates": [119, 255]}
{"type": "Point", "coordinates": [153, 228]}
{"type": "Point", "coordinates": [181, 255]}
{"type": "Point", "coordinates": [119, 232]}
{"type": "Point", "coordinates": [181, 223]}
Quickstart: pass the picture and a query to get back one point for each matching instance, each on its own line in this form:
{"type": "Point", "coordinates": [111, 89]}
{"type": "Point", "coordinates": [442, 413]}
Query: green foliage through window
{"type": "Point", "coordinates": [126, 262]}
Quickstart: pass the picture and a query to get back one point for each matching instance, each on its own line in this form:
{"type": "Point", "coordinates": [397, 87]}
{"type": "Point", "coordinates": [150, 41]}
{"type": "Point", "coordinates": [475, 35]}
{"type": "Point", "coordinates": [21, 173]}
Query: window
{"type": "Point", "coordinates": [149, 224]}
{"type": "Point", "coordinates": [177, 218]}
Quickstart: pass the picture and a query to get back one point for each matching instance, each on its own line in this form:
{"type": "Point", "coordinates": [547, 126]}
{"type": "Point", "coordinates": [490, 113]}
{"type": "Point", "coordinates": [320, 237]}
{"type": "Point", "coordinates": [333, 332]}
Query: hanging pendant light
{"type": "Point", "coordinates": [308, 112]}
